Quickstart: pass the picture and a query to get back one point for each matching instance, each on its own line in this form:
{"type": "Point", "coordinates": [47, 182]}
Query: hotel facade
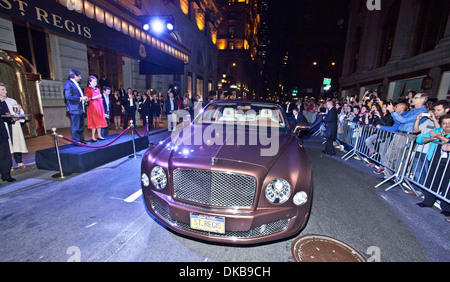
{"type": "Point", "coordinates": [40, 41]}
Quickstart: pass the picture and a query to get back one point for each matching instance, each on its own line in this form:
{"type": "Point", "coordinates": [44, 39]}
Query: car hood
{"type": "Point", "coordinates": [192, 147]}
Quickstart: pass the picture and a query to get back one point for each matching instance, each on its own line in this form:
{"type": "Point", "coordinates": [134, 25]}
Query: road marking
{"type": "Point", "coordinates": [133, 197]}
{"type": "Point", "coordinates": [90, 225]}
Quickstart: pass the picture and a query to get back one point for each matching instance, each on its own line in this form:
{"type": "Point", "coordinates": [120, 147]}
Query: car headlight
{"type": "Point", "coordinates": [278, 191]}
{"type": "Point", "coordinates": [145, 180]}
{"type": "Point", "coordinates": [158, 177]}
{"type": "Point", "coordinates": [300, 198]}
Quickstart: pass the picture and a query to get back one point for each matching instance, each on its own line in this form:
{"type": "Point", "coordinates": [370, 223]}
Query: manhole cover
{"type": "Point", "coordinates": [319, 248]}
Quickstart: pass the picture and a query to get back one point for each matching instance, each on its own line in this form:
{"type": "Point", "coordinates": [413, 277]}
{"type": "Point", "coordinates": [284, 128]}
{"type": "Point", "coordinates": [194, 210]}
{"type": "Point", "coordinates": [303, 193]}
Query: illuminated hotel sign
{"type": "Point", "coordinates": [86, 26]}
{"type": "Point", "coordinates": [40, 13]}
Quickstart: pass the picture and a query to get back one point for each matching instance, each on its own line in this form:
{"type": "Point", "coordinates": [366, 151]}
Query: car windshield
{"type": "Point", "coordinates": [251, 114]}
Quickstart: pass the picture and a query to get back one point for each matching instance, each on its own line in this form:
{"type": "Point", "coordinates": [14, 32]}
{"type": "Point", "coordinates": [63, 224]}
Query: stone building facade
{"type": "Point", "coordinates": [404, 46]}
{"type": "Point", "coordinates": [239, 64]}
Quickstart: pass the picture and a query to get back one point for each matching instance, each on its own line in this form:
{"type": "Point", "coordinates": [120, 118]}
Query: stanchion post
{"type": "Point", "coordinates": [61, 173]}
{"type": "Point", "coordinates": [135, 156]}
{"type": "Point", "coordinates": [146, 126]}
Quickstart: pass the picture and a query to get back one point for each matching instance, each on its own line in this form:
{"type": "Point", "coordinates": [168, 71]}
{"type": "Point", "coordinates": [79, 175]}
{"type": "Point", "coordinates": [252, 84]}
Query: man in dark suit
{"type": "Point", "coordinates": [330, 121]}
{"type": "Point", "coordinates": [5, 153]}
{"type": "Point", "coordinates": [107, 106]}
{"type": "Point", "coordinates": [75, 99]}
{"type": "Point", "coordinates": [123, 93]}
{"type": "Point", "coordinates": [130, 108]}
{"type": "Point", "coordinates": [296, 117]}
{"type": "Point", "coordinates": [146, 111]}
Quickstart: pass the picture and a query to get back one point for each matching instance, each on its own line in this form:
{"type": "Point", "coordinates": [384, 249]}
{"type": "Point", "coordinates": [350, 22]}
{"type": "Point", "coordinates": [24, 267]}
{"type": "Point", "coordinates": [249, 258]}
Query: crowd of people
{"type": "Point", "coordinates": [413, 114]}
{"type": "Point", "coordinates": [101, 107]}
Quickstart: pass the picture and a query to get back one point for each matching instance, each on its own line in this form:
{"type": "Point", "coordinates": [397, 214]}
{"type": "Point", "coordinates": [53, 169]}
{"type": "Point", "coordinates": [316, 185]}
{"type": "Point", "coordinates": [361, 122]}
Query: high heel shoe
{"type": "Point", "coordinates": [101, 138]}
{"type": "Point", "coordinates": [94, 140]}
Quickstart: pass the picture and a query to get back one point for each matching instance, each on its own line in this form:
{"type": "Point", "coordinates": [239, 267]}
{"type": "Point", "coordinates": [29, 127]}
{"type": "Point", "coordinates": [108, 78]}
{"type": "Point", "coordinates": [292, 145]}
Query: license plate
{"type": "Point", "coordinates": [208, 223]}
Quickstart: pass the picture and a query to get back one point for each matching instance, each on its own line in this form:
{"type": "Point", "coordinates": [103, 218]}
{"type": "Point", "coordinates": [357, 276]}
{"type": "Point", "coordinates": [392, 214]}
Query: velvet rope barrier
{"type": "Point", "coordinates": [95, 147]}
{"type": "Point", "coordinates": [145, 133]}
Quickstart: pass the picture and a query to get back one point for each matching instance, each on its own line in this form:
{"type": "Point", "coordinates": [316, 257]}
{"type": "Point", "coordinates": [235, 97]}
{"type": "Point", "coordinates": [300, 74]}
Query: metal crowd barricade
{"type": "Point", "coordinates": [385, 148]}
{"type": "Point", "coordinates": [349, 132]}
{"type": "Point", "coordinates": [407, 163]}
{"type": "Point", "coordinates": [429, 170]}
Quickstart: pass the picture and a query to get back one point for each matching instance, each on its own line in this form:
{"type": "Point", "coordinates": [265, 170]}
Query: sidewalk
{"type": "Point", "coordinates": [47, 141]}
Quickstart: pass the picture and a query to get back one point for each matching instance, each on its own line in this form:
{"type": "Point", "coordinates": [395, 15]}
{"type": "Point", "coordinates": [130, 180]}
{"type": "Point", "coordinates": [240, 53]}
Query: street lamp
{"type": "Point", "coordinates": [158, 24]}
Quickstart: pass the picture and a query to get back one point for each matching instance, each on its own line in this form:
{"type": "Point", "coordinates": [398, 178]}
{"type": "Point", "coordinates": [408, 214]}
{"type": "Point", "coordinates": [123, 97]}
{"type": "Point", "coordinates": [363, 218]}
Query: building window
{"type": "Point", "coordinates": [200, 58]}
{"type": "Point", "coordinates": [231, 45]}
{"type": "Point", "coordinates": [32, 44]}
{"type": "Point", "coordinates": [184, 5]}
{"type": "Point", "coordinates": [431, 25]}
{"type": "Point", "coordinates": [213, 34]}
{"type": "Point", "coordinates": [355, 49]}
{"type": "Point", "coordinates": [199, 87]}
{"type": "Point", "coordinates": [221, 44]}
{"type": "Point", "coordinates": [104, 64]}
{"type": "Point", "coordinates": [189, 84]}
{"type": "Point", "coordinates": [138, 4]}
{"type": "Point", "coordinates": [199, 17]}
{"type": "Point", "coordinates": [231, 30]}
{"type": "Point", "coordinates": [388, 35]}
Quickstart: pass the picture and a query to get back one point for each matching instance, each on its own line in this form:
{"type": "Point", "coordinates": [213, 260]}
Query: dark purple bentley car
{"type": "Point", "coordinates": [237, 174]}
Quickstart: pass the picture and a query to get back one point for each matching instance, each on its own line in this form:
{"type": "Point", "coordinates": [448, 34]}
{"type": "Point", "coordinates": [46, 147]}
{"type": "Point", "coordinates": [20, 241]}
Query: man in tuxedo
{"type": "Point", "coordinates": [330, 121]}
{"type": "Point", "coordinates": [5, 153]}
{"type": "Point", "coordinates": [123, 93]}
{"type": "Point", "coordinates": [130, 108]}
{"type": "Point", "coordinates": [146, 111]}
{"type": "Point", "coordinates": [296, 117]}
{"type": "Point", "coordinates": [75, 100]}
{"type": "Point", "coordinates": [107, 106]}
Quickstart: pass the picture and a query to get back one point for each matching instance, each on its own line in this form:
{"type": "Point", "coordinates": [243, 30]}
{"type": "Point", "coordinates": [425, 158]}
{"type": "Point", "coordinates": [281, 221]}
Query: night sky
{"type": "Point", "coordinates": [310, 31]}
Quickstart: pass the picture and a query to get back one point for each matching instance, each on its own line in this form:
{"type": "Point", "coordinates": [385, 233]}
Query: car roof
{"type": "Point", "coordinates": [242, 101]}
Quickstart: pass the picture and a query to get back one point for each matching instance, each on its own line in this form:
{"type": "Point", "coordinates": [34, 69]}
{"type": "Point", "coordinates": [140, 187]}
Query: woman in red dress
{"type": "Point", "coordinates": [95, 112]}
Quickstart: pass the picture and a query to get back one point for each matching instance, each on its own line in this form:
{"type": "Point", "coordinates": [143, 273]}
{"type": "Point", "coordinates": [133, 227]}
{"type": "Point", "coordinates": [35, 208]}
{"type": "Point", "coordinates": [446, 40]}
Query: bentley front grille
{"type": "Point", "coordinates": [214, 188]}
{"type": "Point", "coordinates": [256, 232]}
